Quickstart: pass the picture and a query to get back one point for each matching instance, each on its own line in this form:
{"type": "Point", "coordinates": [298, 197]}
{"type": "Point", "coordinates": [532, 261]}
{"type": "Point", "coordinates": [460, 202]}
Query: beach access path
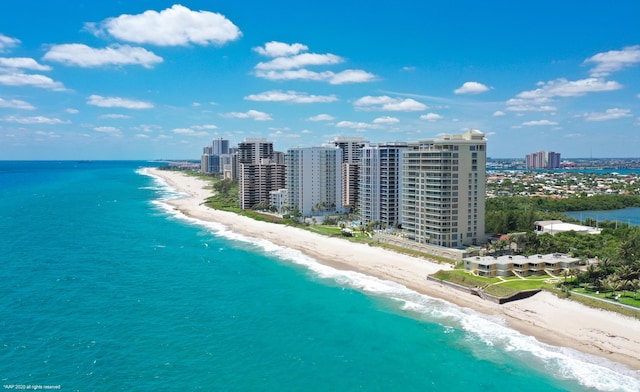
{"type": "Point", "coordinates": [552, 320]}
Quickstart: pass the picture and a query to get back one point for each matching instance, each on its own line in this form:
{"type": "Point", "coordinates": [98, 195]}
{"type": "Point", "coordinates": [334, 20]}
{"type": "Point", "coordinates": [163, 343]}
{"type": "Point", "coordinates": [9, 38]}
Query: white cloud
{"type": "Point", "coordinates": [431, 117]}
{"type": "Point", "coordinates": [614, 60]}
{"type": "Point", "coordinates": [565, 88]}
{"type": "Point", "coordinates": [351, 76]}
{"type": "Point", "coordinates": [115, 116]}
{"type": "Point", "coordinates": [408, 69]}
{"type": "Point", "coordinates": [18, 78]}
{"type": "Point", "coordinates": [189, 132]}
{"type": "Point", "coordinates": [609, 114]}
{"type": "Point", "coordinates": [117, 102]}
{"type": "Point", "coordinates": [498, 113]}
{"type": "Point", "coordinates": [523, 105]}
{"type": "Point", "coordinates": [538, 123]}
{"type": "Point", "coordinates": [108, 130]}
{"type": "Point", "coordinates": [34, 120]}
{"type": "Point", "coordinates": [72, 111]}
{"type": "Point", "coordinates": [280, 49]}
{"type": "Point", "coordinates": [386, 120]}
{"type": "Point", "coordinates": [23, 63]}
{"type": "Point", "coordinates": [81, 55]}
{"type": "Point", "coordinates": [471, 88]}
{"type": "Point", "coordinates": [205, 126]}
{"type": "Point", "coordinates": [322, 117]}
{"type": "Point", "coordinates": [305, 131]}
{"type": "Point", "coordinates": [290, 96]}
{"type": "Point", "coordinates": [300, 61]}
{"type": "Point", "coordinates": [175, 26]}
{"type": "Point", "coordinates": [490, 134]}
{"type": "Point", "coordinates": [7, 43]}
{"type": "Point", "coordinates": [16, 104]}
{"type": "Point", "coordinates": [387, 103]}
{"type": "Point", "coordinates": [357, 125]}
{"type": "Point", "coordinates": [348, 76]}
{"type": "Point", "coordinates": [252, 114]}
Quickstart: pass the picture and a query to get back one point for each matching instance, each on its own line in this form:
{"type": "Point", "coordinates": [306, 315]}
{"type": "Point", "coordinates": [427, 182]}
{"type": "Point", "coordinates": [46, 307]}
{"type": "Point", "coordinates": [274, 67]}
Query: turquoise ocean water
{"type": "Point", "coordinates": [105, 288]}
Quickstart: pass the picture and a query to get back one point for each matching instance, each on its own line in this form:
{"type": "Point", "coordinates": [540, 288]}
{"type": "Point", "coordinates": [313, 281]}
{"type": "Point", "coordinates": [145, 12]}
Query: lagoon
{"type": "Point", "coordinates": [627, 215]}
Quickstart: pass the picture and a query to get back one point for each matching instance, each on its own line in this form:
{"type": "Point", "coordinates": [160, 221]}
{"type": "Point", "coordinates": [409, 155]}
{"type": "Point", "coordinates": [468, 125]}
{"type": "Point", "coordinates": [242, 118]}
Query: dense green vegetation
{"type": "Point", "coordinates": [510, 214]}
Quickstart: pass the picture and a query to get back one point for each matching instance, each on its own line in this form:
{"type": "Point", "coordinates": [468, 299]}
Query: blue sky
{"type": "Point", "coordinates": [159, 79]}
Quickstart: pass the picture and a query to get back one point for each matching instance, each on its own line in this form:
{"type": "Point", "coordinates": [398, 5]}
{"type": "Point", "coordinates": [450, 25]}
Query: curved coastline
{"type": "Point", "coordinates": [551, 320]}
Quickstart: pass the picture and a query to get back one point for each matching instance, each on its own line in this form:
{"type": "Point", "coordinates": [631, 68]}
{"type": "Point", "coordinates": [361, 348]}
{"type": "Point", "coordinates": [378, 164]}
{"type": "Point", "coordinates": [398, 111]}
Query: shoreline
{"type": "Point", "coordinates": [551, 320]}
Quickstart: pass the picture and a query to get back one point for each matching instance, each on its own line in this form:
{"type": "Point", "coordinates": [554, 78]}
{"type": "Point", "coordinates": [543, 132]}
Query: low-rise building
{"type": "Point", "coordinates": [557, 226]}
{"type": "Point", "coordinates": [490, 266]}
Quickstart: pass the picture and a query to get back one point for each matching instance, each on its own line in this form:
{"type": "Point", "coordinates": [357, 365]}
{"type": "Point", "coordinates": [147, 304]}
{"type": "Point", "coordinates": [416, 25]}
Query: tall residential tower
{"type": "Point", "coordinates": [443, 190]}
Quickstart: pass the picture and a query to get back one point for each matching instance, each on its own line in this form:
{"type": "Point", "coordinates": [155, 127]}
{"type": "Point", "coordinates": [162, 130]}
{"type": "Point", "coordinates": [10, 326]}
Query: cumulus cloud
{"type": "Point", "coordinates": [386, 103]}
{"type": "Point", "coordinates": [108, 130]}
{"type": "Point", "coordinates": [7, 43]}
{"type": "Point", "coordinates": [115, 116]}
{"type": "Point", "coordinates": [72, 111]}
{"type": "Point", "coordinates": [280, 49]}
{"type": "Point", "coordinates": [614, 60]}
{"type": "Point", "coordinates": [290, 96]}
{"type": "Point", "coordinates": [81, 55]}
{"type": "Point", "coordinates": [18, 78]}
{"type": "Point", "coordinates": [23, 63]}
{"type": "Point", "coordinates": [471, 88]}
{"type": "Point", "coordinates": [189, 132]}
{"type": "Point", "coordinates": [540, 99]}
{"type": "Point", "coordinates": [289, 64]}
{"type": "Point", "coordinates": [117, 102]}
{"type": "Point", "coordinates": [34, 120]}
{"type": "Point", "coordinates": [530, 105]}
{"type": "Point", "coordinates": [321, 117]}
{"type": "Point", "coordinates": [205, 126]}
{"type": "Point", "coordinates": [357, 125]}
{"type": "Point", "coordinates": [539, 123]}
{"type": "Point", "coordinates": [175, 26]}
{"type": "Point", "coordinates": [299, 61]}
{"type": "Point", "coordinates": [499, 113]}
{"type": "Point", "coordinates": [348, 76]}
{"type": "Point", "coordinates": [431, 117]}
{"type": "Point", "coordinates": [565, 88]}
{"type": "Point", "coordinates": [15, 104]}
{"type": "Point", "coordinates": [252, 114]}
{"type": "Point", "coordinates": [386, 120]}
{"type": "Point", "coordinates": [351, 76]}
{"type": "Point", "coordinates": [609, 114]}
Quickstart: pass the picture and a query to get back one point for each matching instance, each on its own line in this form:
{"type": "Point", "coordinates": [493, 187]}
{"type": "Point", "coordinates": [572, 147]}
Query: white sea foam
{"type": "Point", "coordinates": [487, 336]}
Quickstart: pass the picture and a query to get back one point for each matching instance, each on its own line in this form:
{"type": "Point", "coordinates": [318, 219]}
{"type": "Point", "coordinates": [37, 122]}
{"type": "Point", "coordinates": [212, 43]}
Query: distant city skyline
{"type": "Point", "coordinates": [156, 79]}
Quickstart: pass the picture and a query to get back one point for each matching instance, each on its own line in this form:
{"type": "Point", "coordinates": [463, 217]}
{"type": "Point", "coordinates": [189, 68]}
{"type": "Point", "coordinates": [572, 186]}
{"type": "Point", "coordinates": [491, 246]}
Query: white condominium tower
{"type": "Point", "coordinates": [443, 190]}
{"type": "Point", "coordinates": [350, 147]}
{"type": "Point", "coordinates": [314, 180]}
{"type": "Point", "coordinates": [379, 184]}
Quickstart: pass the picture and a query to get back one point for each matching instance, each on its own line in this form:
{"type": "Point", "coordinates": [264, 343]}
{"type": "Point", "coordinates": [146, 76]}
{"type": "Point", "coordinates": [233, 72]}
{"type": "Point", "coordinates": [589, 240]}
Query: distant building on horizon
{"type": "Point", "coordinates": [543, 160]}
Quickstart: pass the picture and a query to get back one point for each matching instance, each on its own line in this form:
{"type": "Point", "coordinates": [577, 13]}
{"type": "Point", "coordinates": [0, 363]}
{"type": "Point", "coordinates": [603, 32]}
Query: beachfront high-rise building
{"type": "Point", "coordinates": [350, 147]}
{"type": "Point", "coordinates": [314, 180]}
{"type": "Point", "coordinates": [379, 185]}
{"type": "Point", "coordinates": [260, 171]}
{"type": "Point", "coordinates": [443, 190]}
{"type": "Point", "coordinates": [211, 160]}
{"type": "Point", "coordinates": [220, 146]}
{"type": "Point", "coordinates": [543, 160]}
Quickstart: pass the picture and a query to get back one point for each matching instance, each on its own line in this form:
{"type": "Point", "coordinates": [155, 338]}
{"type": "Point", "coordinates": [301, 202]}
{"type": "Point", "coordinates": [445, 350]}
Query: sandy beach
{"type": "Point", "coordinates": [549, 319]}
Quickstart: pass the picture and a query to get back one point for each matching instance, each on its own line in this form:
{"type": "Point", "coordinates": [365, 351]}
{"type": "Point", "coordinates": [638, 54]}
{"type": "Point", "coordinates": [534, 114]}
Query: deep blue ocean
{"type": "Point", "coordinates": [105, 288]}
